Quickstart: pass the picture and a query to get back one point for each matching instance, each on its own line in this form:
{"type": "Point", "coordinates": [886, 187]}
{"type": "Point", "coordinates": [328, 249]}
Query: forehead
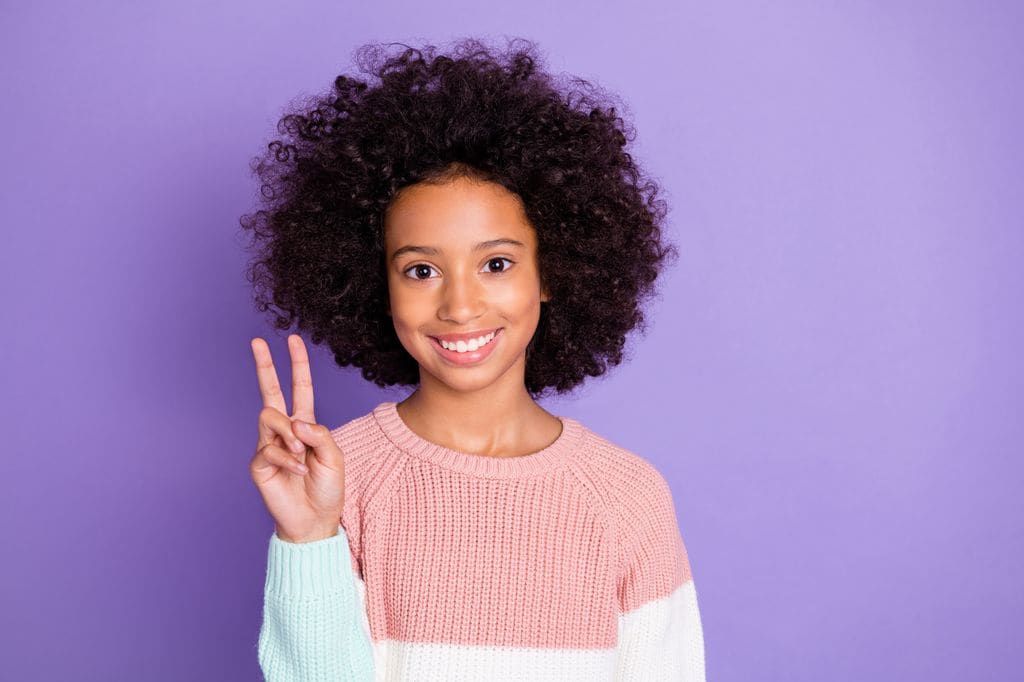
{"type": "Point", "coordinates": [456, 214]}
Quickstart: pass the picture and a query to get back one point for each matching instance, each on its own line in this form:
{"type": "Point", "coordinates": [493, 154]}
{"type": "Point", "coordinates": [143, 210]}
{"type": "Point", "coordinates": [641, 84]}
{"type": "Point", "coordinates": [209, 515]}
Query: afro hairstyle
{"type": "Point", "coordinates": [425, 116]}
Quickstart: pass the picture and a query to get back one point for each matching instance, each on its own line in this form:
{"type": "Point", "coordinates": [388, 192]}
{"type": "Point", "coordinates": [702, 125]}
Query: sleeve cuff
{"type": "Point", "coordinates": [309, 570]}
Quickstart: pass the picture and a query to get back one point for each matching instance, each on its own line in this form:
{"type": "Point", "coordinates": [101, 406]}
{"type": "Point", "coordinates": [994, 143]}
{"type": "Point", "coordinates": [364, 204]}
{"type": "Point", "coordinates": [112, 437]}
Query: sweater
{"type": "Point", "coordinates": [564, 564]}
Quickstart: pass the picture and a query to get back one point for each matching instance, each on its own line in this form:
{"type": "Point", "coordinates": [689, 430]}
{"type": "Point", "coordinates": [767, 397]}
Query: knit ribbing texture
{"type": "Point", "coordinates": [563, 564]}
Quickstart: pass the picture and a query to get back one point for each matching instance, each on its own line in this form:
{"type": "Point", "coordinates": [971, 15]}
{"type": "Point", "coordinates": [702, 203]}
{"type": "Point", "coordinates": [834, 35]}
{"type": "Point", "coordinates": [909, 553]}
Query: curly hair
{"type": "Point", "coordinates": [430, 117]}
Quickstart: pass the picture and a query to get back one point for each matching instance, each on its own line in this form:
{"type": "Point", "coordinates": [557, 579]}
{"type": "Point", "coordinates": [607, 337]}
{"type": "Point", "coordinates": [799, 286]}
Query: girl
{"type": "Point", "coordinates": [465, 227]}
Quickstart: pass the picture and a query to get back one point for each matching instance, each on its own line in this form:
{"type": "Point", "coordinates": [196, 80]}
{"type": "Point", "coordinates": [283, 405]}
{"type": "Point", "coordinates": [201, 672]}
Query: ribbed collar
{"type": "Point", "coordinates": [408, 441]}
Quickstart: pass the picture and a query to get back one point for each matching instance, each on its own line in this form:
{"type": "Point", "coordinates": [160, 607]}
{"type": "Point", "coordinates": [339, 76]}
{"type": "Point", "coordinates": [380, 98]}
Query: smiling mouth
{"type": "Point", "coordinates": [466, 357]}
{"type": "Point", "coordinates": [463, 343]}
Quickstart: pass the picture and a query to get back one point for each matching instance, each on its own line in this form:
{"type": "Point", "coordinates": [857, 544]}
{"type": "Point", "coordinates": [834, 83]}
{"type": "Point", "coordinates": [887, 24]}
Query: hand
{"type": "Point", "coordinates": [306, 503]}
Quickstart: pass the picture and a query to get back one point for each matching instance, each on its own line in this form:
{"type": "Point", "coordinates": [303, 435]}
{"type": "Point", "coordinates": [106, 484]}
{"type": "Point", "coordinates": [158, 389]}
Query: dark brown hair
{"type": "Point", "coordinates": [427, 117]}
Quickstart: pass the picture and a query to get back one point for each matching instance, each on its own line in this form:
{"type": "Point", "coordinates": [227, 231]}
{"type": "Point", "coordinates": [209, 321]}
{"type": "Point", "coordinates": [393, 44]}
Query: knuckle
{"type": "Point", "coordinates": [268, 452]}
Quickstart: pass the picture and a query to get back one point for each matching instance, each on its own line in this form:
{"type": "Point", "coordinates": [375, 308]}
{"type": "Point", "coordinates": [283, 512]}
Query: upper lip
{"type": "Point", "coordinates": [466, 336]}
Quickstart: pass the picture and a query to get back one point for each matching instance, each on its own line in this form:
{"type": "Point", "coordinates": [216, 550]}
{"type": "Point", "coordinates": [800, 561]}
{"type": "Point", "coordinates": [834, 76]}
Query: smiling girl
{"type": "Point", "coordinates": [466, 228]}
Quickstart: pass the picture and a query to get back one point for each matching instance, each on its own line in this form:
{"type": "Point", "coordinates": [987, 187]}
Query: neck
{"type": "Point", "coordinates": [489, 421]}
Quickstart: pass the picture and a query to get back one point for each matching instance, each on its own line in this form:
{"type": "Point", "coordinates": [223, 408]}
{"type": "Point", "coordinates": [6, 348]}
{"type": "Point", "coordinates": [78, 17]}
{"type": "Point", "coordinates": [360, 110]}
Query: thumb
{"type": "Point", "coordinates": [318, 437]}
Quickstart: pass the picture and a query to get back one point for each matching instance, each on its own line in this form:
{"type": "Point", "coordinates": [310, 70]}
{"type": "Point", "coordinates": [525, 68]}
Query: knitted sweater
{"type": "Point", "coordinates": [565, 564]}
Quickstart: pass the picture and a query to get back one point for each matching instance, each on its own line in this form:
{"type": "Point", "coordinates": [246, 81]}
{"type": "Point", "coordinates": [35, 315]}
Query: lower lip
{"type": "Point", "coordinates": [469, 357]}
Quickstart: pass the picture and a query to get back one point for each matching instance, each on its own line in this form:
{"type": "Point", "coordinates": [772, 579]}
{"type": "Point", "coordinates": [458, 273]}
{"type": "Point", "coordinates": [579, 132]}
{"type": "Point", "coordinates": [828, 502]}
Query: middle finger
{"type": "Point", "coordinates": [302, 381]}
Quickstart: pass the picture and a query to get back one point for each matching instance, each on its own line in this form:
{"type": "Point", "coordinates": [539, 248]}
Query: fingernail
{"type": "Point", "coordinates": [297, 446]}
{"type": "Point", "coordinates": [305, 428]}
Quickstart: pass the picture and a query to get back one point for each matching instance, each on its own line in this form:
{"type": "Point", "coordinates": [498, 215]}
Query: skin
{"type": "Point", "coordinates": [298, 467]}
{"type": "Point", "coordinates": [482, 409]}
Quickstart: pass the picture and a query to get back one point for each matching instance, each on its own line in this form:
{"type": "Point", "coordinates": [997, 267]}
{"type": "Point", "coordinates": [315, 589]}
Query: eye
{"type": "Point", "coordinates": [499, 258]}
{"type": "Point", "coordinates": [419, 267]}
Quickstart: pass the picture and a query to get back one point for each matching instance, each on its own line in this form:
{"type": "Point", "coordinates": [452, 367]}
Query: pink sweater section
{"type": "Point", "coordinates": [546, 550]}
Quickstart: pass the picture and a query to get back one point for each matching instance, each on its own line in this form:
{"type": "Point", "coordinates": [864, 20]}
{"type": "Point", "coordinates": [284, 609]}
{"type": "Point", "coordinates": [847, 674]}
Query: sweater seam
{"type": "Point", "coordinates": [602, 510]}
{"type": "Point", "coordinates": [391, 480]}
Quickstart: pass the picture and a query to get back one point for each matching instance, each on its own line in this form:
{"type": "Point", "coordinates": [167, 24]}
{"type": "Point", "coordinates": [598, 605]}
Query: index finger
{"type": "Point", "coordinates": [270, 387]}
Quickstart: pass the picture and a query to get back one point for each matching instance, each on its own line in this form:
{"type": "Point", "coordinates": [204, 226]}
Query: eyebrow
{"type": "Point", "coordinates": [432, 251]}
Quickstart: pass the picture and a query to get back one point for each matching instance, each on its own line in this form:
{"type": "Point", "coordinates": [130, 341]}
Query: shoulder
{"type": "Point", "coordinates": [635, 496]}
{"type": "Point", "coordinates": [652, 559]}
{"type": "Point", "coordinates": [629, 479]}
{"type": "Point", "coordinates": [634, 491]}
{"type": "Point", "coordinates": [370, 459]}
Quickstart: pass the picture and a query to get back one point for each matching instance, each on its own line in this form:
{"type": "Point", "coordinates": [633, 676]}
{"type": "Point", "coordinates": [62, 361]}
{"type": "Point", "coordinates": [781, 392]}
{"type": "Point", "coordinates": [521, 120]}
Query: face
{"type": "Point", "coordinates": [461, 258]}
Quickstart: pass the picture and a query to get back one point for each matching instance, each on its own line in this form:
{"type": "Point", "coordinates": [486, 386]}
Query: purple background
{"type": "Point", "coordinates": [831, 383]}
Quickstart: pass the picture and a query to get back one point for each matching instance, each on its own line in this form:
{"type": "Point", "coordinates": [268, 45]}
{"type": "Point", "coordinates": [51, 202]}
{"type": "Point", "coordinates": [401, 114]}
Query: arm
{"type": "Point", "coordinates": [660, 632]}
{"type": "Point", "coordinates": [313, 620]}
{"type": "Point", "coordinates": [662, 640]}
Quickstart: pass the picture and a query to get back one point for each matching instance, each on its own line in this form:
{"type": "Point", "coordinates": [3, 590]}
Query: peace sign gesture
{"type": "Point", "coordinates": [298, 467]}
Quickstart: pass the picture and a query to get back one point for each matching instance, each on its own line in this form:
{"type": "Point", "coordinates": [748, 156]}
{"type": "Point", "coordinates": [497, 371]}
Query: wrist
{"type": "Point", "coordinates": [321, 533]}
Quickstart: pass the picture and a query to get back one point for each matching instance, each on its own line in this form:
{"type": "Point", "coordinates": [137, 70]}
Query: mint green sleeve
{"type": "Point", "coordinates": [313, 619]}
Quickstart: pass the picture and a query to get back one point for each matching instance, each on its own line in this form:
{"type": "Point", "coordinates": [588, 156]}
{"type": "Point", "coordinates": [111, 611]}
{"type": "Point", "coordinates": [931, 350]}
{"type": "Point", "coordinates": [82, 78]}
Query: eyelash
{"type": "Point", "coordinates": [418, 279]}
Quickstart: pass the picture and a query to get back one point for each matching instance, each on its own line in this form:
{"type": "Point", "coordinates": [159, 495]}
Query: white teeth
{"type": "Point", "coordinates": [473, 344]}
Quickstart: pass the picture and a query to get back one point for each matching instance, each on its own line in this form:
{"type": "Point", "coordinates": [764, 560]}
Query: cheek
{"type": "Point", "coordinates": [404, 306]}
{"type": "Point", "coordinates": [516, 300]}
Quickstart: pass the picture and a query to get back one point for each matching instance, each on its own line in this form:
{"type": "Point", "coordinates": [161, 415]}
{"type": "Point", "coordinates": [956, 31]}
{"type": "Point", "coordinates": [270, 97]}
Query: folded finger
{"type": "Point", "coordinates": [275, 427]}
{"type": "Point", "coordinates": [319, 438]}
{"type": "Point", "coordinates": [274, 455]}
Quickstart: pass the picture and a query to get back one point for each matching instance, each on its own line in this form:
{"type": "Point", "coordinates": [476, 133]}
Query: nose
{"type": "Point", "coordinates": [462, 299]}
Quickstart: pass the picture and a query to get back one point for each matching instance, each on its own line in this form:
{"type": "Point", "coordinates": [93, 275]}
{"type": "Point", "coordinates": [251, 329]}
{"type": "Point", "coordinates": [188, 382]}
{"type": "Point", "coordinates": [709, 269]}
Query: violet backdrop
{"type": "Point", "coordinates": [836, 352]}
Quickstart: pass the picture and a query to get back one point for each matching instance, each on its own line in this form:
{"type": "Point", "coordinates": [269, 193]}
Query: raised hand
{"type": "Point", "coordinates": [300, 472]}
